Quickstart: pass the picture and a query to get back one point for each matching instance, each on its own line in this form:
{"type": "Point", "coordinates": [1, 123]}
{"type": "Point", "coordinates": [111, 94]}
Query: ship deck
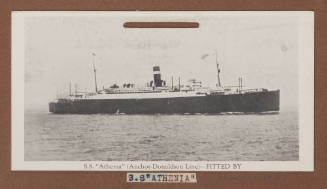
{"type": "Point", "coordinates": [143, 95]}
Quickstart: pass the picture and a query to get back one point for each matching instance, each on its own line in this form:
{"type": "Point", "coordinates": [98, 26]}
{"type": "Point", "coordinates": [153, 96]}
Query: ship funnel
{"type": "Point", "coordinates": [157, 76]}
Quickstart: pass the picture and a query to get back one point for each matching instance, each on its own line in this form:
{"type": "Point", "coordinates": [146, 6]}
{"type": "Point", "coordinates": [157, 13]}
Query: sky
{"type": "Point", "coordinates": [260, 48]}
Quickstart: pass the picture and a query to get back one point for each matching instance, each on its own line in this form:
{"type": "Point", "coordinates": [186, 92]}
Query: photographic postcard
{"type": "Point", "coordinates": [108, 91]}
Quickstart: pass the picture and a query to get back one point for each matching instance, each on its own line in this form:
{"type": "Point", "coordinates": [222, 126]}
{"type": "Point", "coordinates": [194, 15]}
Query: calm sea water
{"type": "Point", "coordinates": [160, 137]}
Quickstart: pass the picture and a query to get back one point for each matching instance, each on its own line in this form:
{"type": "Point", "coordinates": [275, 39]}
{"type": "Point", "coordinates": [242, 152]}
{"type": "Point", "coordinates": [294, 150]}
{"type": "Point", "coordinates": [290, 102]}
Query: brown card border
{"type": "Point", "coordinates": [71, 179]}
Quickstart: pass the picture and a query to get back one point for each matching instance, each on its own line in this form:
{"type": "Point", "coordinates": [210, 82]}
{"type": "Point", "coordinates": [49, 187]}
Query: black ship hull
{"type": "Point", "coordinates": [247, 102]}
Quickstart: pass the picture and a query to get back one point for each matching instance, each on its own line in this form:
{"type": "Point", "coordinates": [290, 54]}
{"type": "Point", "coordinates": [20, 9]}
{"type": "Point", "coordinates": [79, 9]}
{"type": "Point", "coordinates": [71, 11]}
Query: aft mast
{"type": "Point", "coordinates": [95, 74]}
{"type": "Point", "coordinates": [218, 71]}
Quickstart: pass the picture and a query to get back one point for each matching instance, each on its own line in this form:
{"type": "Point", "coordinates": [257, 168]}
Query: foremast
{"type": "Point", "coordinates": [218, 72]}
{"type": "Point", "coordinates": [95, 74]}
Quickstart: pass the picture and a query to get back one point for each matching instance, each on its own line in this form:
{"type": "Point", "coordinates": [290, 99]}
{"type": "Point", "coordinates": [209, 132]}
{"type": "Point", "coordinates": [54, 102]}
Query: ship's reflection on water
{"type": "Point", "coordinates": [230, 136]}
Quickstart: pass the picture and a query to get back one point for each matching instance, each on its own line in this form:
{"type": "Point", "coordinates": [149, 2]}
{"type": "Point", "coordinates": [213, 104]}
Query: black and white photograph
{"type": "Point", "coordinates": [233, 87]}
